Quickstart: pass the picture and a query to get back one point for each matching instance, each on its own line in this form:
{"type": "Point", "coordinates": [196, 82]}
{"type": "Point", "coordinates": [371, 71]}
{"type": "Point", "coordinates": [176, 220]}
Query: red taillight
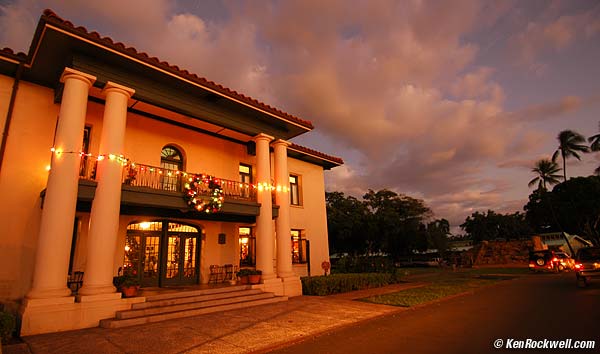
{"type": "Point", "coordinates": [578, 266]}
{"type": "Point", "coordinates": [554, 259]}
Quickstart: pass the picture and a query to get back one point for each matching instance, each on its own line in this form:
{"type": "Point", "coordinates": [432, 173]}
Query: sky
{"type": "Point", "coordinates": [451, 102]}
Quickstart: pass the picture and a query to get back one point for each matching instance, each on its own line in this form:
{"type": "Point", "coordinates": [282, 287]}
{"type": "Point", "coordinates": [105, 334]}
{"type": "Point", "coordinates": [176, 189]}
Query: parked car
{"type": "Point", "coordinates": [587, 265]}
{"type": "Point", "coordinates": [564, 261]}
{"type": "Point", "coordinates": [546, 260]}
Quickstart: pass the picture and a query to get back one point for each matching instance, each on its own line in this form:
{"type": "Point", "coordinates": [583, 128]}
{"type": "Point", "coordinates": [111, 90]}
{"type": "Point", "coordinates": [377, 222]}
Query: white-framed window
{"type": "Point", "coordinates": [298, 246]}
{"type": "Point", "coordinates": [295, 198]}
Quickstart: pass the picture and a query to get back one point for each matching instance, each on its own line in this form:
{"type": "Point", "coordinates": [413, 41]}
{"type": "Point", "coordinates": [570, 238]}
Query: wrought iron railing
{"type": "Point", "coordinates": [153, 177]}
{"type": "Point", "coordinates": [140, 175]}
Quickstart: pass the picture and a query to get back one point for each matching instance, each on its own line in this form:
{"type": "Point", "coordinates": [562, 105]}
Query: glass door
{"type": "Point", "coordinates": [162, 253]}
{"type": "Point", "coordinates": [181, 255]}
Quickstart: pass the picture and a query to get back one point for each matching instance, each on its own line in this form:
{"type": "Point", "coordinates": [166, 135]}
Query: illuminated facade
{"type": "Point", "coordinates": [112, 160]}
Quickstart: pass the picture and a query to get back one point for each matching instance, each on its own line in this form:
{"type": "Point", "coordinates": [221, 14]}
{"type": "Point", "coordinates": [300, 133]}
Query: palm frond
{"type": "Point", "coordinates": [594, 142]}
{"type": "Point", "coordinates": [533, 182]}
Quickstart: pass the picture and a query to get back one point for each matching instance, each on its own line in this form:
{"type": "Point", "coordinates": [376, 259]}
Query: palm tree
{"type": "Point", "coordinates": [569, 144]}
{"type": "Point", "coordinates": [546, 171]}
{"type": "Point", "coordinates": [595, 146]}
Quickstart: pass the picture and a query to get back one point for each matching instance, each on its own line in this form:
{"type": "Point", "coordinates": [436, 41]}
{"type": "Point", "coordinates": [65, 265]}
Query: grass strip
{"type": "Point", "coordinates": [431, 292]}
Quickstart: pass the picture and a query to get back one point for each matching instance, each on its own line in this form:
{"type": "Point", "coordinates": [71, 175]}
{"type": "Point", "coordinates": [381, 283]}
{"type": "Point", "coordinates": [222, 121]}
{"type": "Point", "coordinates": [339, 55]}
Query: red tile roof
{"type": "Point", "coordinates": [9, 53]}
{"type": "Point", "coordinates": [316, 153]}
{"type": "Point", "coordinates": [53, 18]}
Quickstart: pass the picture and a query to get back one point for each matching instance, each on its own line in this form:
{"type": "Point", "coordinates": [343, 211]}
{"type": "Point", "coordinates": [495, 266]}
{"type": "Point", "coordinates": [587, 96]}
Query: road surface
{"type": "Point", "coordinates": [534, 307]}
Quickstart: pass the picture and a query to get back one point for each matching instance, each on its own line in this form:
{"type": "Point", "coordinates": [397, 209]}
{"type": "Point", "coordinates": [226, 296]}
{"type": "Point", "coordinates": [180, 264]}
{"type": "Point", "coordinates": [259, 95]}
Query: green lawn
{"type": "Point", "coordinates": [444, 283]}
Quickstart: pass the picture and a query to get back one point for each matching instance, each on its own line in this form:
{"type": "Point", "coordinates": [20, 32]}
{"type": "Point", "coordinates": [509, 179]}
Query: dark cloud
{"type": "Point", "coordinates": [397, 85]}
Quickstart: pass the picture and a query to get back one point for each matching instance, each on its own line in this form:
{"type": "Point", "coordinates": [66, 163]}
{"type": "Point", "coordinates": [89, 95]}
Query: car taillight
{"type": "Point", "coordinates": [554, 259]}
{"type": "Point", "coordinates": [578, 266]}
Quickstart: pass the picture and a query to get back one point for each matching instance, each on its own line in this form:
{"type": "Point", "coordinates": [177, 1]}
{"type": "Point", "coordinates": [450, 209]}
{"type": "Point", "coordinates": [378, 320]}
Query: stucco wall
{"type": "Point", "coordinates": [311, 216]}
{"type": "Point", "coordinates": [24, 176]}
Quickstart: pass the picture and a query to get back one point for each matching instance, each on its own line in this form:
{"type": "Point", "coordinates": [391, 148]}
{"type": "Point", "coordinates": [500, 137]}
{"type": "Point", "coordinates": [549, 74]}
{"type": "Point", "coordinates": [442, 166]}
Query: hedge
{"type": "Point", "coordinates": [341, 283]}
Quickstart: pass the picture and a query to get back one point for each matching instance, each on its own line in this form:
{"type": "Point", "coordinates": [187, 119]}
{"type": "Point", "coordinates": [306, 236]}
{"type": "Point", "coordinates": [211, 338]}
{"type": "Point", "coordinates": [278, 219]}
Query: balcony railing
{"type": "Point", "coordinates": [140, 175]}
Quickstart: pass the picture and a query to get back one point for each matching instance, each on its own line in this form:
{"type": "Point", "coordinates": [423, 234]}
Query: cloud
{"type": "Point", "coordinates": [398, 82]}
{"type": "Point", "coordinates": [545, 36]}
{"type": "Point", "coordinates": [567, 104]}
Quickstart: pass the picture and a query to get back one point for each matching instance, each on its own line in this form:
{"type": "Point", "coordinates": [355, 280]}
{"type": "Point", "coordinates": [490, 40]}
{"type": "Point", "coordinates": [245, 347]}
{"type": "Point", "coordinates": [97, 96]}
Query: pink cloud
{"type": "Point", "coordinates": [552, 35]}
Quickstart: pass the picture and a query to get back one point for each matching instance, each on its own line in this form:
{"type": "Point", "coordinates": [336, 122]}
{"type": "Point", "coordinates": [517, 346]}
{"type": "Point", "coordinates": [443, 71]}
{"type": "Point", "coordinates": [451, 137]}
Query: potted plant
{"type": "Point", "coordinates": [244, 274]}
{"type": "Point", "coordinates": [254, 276]}
{"type": "Point", "coordinates": [7, 326]}
{"type": "Point", "coordinates": [127, 282]}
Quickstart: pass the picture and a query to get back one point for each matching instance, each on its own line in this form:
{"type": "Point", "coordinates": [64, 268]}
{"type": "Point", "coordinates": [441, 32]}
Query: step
{"type": "Point", "coordinates": [191, 306]}
{"type": "Point", "coordinates": [187, 293]}
{"type": "Point", "coordinates": [196, 298]}
{"type": "Point", "coordinates": [116, 323]}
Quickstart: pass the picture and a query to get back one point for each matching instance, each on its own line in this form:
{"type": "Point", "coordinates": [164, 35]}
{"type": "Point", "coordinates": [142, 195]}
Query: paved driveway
{"type": "Point", "coordinates": [543, 306]}
{"type": "Point", "coordinates": [238, 331]}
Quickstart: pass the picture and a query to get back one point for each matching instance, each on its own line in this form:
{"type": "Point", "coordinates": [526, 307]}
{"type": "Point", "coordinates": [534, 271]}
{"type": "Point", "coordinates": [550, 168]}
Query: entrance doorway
{"type": "Point", "coordinates": [163, 253]}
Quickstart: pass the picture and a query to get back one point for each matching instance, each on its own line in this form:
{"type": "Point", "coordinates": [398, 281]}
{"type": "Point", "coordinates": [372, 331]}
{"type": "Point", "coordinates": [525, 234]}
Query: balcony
{"type": "Point", "coordinates": [151, 189]}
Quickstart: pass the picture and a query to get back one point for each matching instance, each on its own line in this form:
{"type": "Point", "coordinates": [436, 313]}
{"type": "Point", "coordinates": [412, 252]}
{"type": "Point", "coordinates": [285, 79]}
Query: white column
{"type": "Point", "coordinates": [282, 198]}
{"type": "Point", "coordinates": [58, 214]}
{"type": "Point", "coordinates": [264, 221]}
{"type": "Point", "coordinates": [104, 217]}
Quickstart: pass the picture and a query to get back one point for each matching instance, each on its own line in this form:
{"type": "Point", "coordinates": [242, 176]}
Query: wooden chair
{"type": "Point", "coordinates": [216, 274]}
{"type": "Point", "coordinates": [228, 272]}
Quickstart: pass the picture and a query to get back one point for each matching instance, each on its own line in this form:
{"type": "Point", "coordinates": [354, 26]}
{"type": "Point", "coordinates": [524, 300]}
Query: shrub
{"type": "Point", "coordinates": [246, 271]}
{"type": "Point", "coordinates": [7, 326]}
{"type": "Point", "coordinates": [341, 283]}
{"type": "Point", "coordinates": [363, 264]}
{"type": "Point", "coordinates": [128, 278]}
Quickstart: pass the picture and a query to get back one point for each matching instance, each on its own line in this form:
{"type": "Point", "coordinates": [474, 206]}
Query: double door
{"type": "Point", "coordinates": [163, 253]}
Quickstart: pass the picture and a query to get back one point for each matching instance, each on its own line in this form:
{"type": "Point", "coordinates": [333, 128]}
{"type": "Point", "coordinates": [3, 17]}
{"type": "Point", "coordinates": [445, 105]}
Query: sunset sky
{"type": "Point", "coordinates": [448, 101]}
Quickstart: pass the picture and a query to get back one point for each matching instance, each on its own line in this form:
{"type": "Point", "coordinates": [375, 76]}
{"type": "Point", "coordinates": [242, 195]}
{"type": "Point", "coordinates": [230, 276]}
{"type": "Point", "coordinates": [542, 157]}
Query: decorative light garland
{"type": "Point", "coordinates": [210, 204]}
{"type": "Point", "coordinates": [113, 157]}
{"type": "Point", "coordinates": [133, 170]}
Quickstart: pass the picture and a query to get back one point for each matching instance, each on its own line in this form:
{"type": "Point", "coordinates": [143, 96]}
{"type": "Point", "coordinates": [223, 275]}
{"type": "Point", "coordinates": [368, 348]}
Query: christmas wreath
{"type": "Point", "coordinates": [204, 194]}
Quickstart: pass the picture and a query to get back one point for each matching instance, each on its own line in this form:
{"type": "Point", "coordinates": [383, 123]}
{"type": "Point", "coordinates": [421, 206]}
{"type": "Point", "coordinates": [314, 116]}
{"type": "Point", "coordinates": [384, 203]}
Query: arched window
{"type": "Point", "coordinates": [171, 161]}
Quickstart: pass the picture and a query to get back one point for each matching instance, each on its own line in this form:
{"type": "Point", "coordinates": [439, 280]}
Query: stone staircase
{"type": "Point", "coordinates": [180, 304]}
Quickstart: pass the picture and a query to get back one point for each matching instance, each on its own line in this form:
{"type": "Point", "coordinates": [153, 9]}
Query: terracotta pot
{"type": "Point", "coordinates": [244, 279]}
{"type": "Point", "coordinates": [254, 278]}
{"type": "Point", "coordinates": [130, 291]}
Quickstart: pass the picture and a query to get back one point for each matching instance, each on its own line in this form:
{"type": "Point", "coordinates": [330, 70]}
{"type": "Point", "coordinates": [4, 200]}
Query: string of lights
{"type": "Point", "coordinates": [134, 168]}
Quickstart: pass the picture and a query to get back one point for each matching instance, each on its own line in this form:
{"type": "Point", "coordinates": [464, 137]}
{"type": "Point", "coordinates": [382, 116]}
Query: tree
{"type": "Point", "coordinates": [539, 213]}
{"type": "Point", "coordinates": [577, 206]}
{"type": "Point", "coordinates": [572, 207]}
{"type": "Point", "coordinates": [546, 174]}
{"type": "Point", "coordinates": [490, 226]}
{"type": "Point", "coordinates": [594, 141]}
{"type": "Point", "coordinates": [570, 143]}
{"type": "Point", "coordinates": [396, 221]}
{"type": "Point", "coordinates": [437, 235]}
{"type": "Point", "coordinates": [347, 219]}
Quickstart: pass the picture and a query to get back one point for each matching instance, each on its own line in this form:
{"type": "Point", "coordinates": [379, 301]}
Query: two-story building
{"type": "Point", "coordinates": [112, 159]}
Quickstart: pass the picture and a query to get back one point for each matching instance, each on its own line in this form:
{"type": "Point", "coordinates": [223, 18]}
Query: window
{"type": "Point", "coordinates": [247, 247]}
{"type": "Point", "coordinates": [246, 179]}
{"type": "Point", "coordinates": [298, 247]}
{"type": "Point", "coordinates": [294, 190]}
{"type": "Point", "coordinates": [87, 166]}
{"type": "Point", "coordinates": [171, 160]}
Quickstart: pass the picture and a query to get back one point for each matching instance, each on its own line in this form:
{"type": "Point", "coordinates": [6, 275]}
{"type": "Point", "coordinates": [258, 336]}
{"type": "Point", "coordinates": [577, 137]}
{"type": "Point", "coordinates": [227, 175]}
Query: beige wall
{"type": "Point", "coordinates": [311, 216]}
{"type": "Point", "coordinates": [24, 176]}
